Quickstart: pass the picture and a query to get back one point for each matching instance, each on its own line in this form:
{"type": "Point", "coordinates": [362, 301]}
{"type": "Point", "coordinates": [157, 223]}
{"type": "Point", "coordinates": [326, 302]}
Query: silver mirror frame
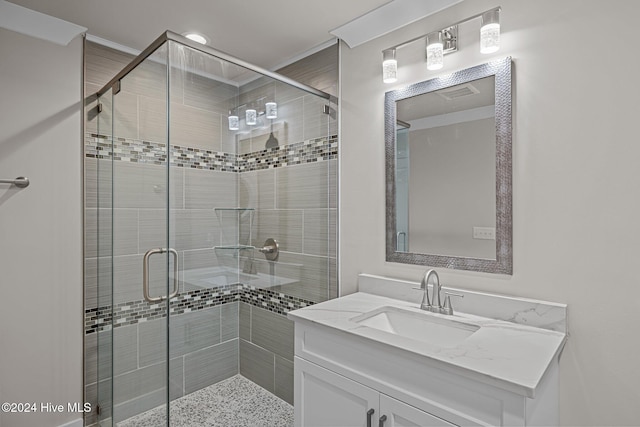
{"type": "Point", "coordinates": [503, 264]}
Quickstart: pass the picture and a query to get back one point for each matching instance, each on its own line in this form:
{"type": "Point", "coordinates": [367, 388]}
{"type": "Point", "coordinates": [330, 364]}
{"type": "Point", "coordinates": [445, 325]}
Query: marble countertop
{"type": "Point", "coordinates": [507, 355]}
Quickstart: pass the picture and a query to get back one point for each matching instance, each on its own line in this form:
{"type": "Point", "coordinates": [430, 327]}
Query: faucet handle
{"type": "Point", "coordinates": [447, 308]}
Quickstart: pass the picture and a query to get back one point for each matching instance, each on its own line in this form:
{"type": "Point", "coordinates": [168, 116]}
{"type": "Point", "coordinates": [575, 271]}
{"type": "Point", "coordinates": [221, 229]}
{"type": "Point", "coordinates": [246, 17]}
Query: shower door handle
{"type": "Point", "coordinates": [145, 274]}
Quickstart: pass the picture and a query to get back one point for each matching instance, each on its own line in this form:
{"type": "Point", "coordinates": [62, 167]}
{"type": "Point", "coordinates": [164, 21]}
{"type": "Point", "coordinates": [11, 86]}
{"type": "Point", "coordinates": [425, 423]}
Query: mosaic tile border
{"type": "Point", "coordinates": [313, 150]}
{"type": "Point", "coordinates": [129, 313]}
{"type": "Point", "coordinates": [139, 151]}
{"type": "Point", "coordinates": [276, 302]}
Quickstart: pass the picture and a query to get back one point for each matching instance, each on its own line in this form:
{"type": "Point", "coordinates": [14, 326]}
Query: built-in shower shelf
{"type": "Point", "coordinates": [235, 224]}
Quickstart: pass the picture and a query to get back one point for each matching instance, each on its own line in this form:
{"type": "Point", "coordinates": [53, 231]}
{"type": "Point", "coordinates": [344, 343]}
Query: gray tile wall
{"type": "Point", "coordinates": [266, 350]}
{"type": "Point", "coordinates": [291, 204]}
{"type": "Point", "coordinates": [319, 70]}
{"type": "Point", "coordinates": [140, 224]}
{"type": "Point", "coordinates": [198, 119]}
{"type": "Point", "coordinates": [296, 205]}
{"type": "Point", "coordinates": [203, 350]}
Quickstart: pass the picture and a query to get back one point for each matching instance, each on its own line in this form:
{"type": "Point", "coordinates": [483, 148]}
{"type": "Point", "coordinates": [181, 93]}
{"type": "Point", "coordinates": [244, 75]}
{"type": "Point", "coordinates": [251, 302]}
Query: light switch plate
{"type": "Point", "coordinates": [484, 233]}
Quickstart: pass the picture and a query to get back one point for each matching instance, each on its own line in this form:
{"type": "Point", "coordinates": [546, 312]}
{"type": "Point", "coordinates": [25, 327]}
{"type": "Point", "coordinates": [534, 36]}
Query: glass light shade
{"type": "Point", "coordinates": [389, 66]}
{"type": "Point", "coordinates": [435, 51]}
{"type": "Point", "coordinates": [271, 110]}
{"type": "Point", "coordinates": [234, 123]}
{"type": "Point", "coordinates": [490, 32]}
{"type": "Point", "coordinates": [251, 116]}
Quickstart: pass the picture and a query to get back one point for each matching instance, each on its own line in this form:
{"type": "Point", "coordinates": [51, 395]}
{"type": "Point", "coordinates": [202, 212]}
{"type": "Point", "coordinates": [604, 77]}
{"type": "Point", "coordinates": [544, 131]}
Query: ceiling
{"type": "Point", "coordinates": [265, 33]}
{"type": "Point", "coordinates": [437, 103]}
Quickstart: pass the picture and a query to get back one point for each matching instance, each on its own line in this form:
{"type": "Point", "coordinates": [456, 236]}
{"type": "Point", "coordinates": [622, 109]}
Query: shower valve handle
{"type": "Point", "coordinates": [271, 249]}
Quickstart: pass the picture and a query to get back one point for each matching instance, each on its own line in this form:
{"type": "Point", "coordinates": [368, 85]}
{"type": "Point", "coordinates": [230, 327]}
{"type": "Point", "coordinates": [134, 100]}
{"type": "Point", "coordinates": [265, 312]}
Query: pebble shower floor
{"type": "Point", "coordinates": [235, 402]}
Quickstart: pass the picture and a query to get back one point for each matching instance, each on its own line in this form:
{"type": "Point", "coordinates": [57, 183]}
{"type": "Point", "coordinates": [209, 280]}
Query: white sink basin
{"type": "Point", "coordinates": [420, 326]}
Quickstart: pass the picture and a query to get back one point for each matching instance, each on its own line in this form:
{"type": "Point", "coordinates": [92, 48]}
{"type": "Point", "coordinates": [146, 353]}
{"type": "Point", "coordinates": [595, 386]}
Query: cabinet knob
{"type": "Point", "coordinates": [382, 420]}
{"type": "Point", "coordinates": [369, 415]}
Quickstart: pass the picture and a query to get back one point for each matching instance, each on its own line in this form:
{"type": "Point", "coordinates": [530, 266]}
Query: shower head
{"type": "Point", "coordinates": [272, 142]}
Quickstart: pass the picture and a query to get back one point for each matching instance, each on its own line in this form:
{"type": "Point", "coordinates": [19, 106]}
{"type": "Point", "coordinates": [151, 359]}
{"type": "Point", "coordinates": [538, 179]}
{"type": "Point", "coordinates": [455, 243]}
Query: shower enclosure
{"type": "Point", "coordinates": [197, 161]}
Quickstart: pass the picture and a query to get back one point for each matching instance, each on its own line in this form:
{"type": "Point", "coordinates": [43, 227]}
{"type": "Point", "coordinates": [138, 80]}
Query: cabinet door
{"type": "Point", "coordinates": [326, 399]}
{"type": "Point", "coordinates": [400, 414]}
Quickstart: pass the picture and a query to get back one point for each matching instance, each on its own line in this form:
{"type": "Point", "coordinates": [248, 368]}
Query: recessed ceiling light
{"type": "Point", "coordinates": [198, 38]}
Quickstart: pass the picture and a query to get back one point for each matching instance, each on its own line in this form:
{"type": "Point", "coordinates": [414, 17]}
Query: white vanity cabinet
{"type": "Point", "coordinates": [339, 376]}
{"type": "Point", "coordinates": [327, 399]}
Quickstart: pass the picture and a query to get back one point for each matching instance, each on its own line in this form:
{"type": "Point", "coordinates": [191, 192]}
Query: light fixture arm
{"type": "Point", "coordinates": [455, 24]}
{"type": "Point", "coordinates": [444, 41]}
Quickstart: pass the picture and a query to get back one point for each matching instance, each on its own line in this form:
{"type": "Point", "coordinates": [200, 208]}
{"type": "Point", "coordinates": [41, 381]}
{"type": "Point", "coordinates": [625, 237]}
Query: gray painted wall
{"type": "Point", "coordinates": [575, 186]}
{"type": "Point", "coordinates": [40, 227]}
{"type": "Point", "coordinates": [452, 189]}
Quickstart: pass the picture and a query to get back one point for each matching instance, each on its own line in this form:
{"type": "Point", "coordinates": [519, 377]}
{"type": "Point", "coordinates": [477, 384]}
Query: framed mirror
{"type": "Point", "coordinates": [448, 171]}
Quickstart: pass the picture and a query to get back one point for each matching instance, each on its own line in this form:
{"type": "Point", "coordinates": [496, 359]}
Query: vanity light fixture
{"type": "Point", "coordinates": [251, 116]}
{"type": "Point", "coordinates": [234, 122]}
{"type": "Point", "coordinates": [490, 31]}
{"type": "Point", "coordinates": [271, 110]}
{"type": "Point", "coordinates": [435, 51]}
{"type": "Point", "coordinates": [389, 66]}
{"type": "Point", "coordinates": [444, 41]}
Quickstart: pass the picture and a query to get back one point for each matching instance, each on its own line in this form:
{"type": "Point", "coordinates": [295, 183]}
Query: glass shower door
{"type": "Point", "coordinates": [103, 266]}
{"type": "Point", "coordinates": [145, 266]}
{"type": "Point", "coordinates": [190, 200]}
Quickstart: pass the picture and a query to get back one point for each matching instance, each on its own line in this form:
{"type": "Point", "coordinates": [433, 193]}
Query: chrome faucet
{"type": "Point", "coordinates": [426, 303]}
{"type": "Point", "coordinates": [434, 304]}
{"type": "Point", "coordinates": [430, 304]}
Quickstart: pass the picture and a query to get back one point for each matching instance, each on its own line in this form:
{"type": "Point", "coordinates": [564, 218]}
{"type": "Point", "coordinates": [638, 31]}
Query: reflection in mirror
{"type": "Point", "coordinates": [448, 150]}
{"type": "Point", "coordinates": [447, 136]}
